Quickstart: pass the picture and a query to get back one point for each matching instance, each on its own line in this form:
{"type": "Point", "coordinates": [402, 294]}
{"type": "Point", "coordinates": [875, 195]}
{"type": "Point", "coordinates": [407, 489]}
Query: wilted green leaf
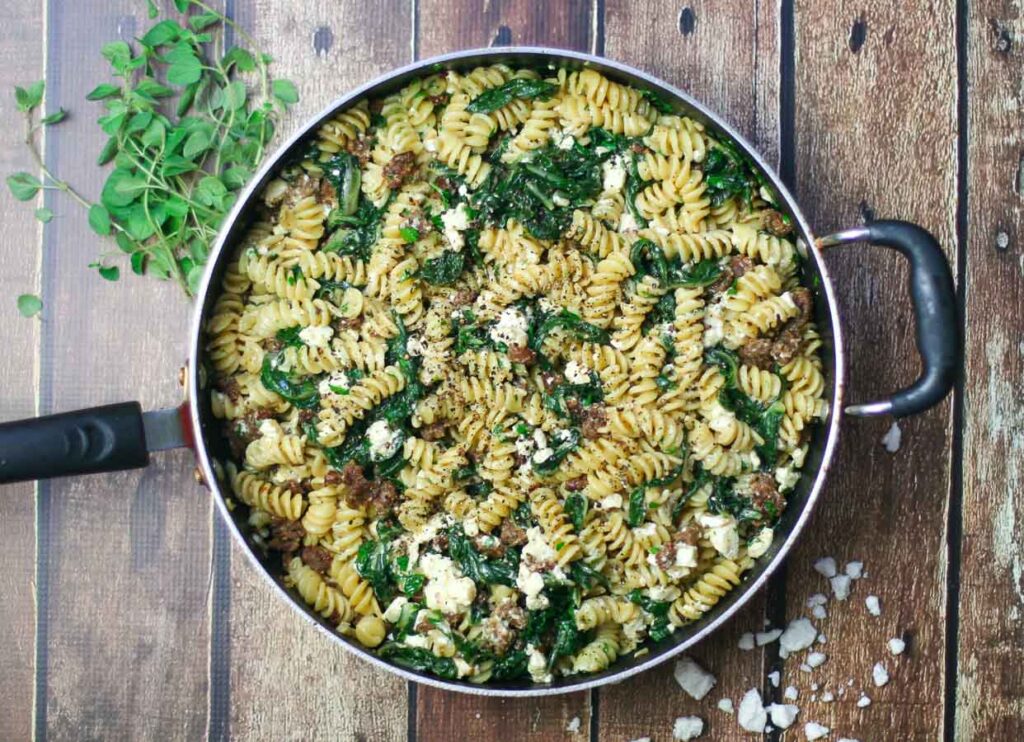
{"type": "Point", "coordinates": [29, 305]}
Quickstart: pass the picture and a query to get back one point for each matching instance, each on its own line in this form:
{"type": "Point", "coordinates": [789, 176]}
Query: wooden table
{"type": "Point", "coordinates": [128, 613]}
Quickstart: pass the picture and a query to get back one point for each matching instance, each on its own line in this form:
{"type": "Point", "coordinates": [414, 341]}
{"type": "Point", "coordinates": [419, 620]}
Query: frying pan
{"type": "Point", "coordinates": [122, 436]}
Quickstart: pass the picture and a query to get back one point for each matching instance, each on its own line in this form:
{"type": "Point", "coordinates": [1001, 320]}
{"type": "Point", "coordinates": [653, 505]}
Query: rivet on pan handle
{"type": "Point", "coordinates": [934, 301]}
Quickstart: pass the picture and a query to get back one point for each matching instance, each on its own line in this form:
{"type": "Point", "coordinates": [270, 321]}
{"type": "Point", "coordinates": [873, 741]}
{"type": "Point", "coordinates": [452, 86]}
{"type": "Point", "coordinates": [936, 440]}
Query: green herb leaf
{"type": "Point", "coordinates": [109, 272]}
{"type": "Point", "coordinates": [29, 305]}
{"type": "Point", "coordinates": [164, 32]}
{"type": "Point", "coordinates": [23, 186]}
{"type": "Point", "coordinates": [103, 90]}
{"type": "Point", "coordinates": [495, 98]}
{"type": "Point", "coordinates": [44, 215]}
{"type": "Point", "coordinates": [637, 512]}
{"type": "Point", "coordinates": [54, 118]}
{"type": "Point", "coordinates": [29, 97]}
{"type": "Point", "coordinates": [204, 20]}
{"type": "Point", "coordinates": [576, 506]}
{"type": "Point", "coordinates": [409, 234]}
{"type": "Point", "coordinates": [119, 54]}
{"type": "Point", "coordinates": [285, 91]}
{"type": "Point", "coordinates": [184, 66]}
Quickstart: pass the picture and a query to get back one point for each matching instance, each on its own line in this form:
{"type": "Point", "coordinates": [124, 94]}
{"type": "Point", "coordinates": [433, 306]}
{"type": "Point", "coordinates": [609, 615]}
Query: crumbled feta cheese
{"type": "Point", "coordinates": [511, 328]}
{"type": "Point", "coordinates": [791, 693]}
{"type": "Point", "coordinates": [813, 730]}
{"type": "Point", "coordinates": [559, 200]}
{"type": "Point", "coordinates": [537, 665]}
{"type": "Point", "coordinates": [879, 675]}
{"type": "Point", "coordinates": [817, 599]}
{"type": "Point", "coordinates": [863, 702]}
{"type": "Point", "coordinates": [819, 612]}
{"type": "Point", "coordinates": [613, 173]}
{"type": "Point", "coordinates": [854, 570]}
{"type": "Point", "coordinates": [687, 728]}
{"type": "Point", "coordinates": [384, 440]}
{"type": "Point", "coordinates": [455, 221]}
{"type": "Point", "coordinates": [816, 659]}
{"type": "Point", "coordinates": [822, 639]}
{"type": "Point", "coordinates": [415, 346]}
{"type": "Point", "coordinates": [826, 566]}
{"type": "Point", "coordinates": [721, 532]}
{"type": "Point", "coordinates": [840, 587]}
{"type": "Point", "coordinates": [627, 223]}
{"type": "Point", "coordinates": [536, 547]}
{"type": "Point", "coordinates": [760, 543]}
{"type": "Point", "coordinates": [463, 190]}
{"type": "Point", "coordinates": [419, 641]}
{"type": "Point", "coordinates": [337, 381]}
{"type": "Point", "coordinates": [692, 678]}
{"type": "Point", "coordinates": [430, 144]}
{"type": "Point", "coordinates": [848, 739]}
{"type": "Point", "coordinates": [804, 667]}
{"type": "Point", "coordinates": [531, 584]}
{"type": "Point", "coordinates": [873, 605]}
{"type": "Point", "coordinates": [893, 438]}
{"type": "Point", "coordinates": [714, 325]}
{"type": "Point", "coordinates": [577, 373]}
{"type": "Point", "coordinates": [566, 142]}
{"type": "Point", "coordinates": [611, 502]}
{"type": "Point", "coordinates": [827, 697]}
{"type": "Point", "coordinates": [394, 610]}
{"type": "Point", "coordinates": [725, 705]}
{"type": "Point", "coordinates": [316, 337]}
{"type": "Point", "coordinates": [783, 714]}
{"type": "Point", "coordinates": [746, 642]}
{"type": "Point", "coordinates": [800, 634]}
{"type": "Point", "coordinates": [787, 478]}
{"type": "Point", "coordinates": [574, 725]}
{"type": "Point", "coordinates": [663, 593]}
{"type": "Point", "coordinates": [446, 589]}
{"type": "Point", "coordinates": [767, 637]}
{"type": "Point", "coordinates": [773, 677]}
{"type": "Point", "coordinates": [542, 455]}
{"type": "Point", "coordinates": [814, 686]}
{"type": "Point", "coordinates": [752, 715]}
{"type": "Point", "coordinates": [897, 645]}
{"type": "Point", "coordinates": [270, 428]}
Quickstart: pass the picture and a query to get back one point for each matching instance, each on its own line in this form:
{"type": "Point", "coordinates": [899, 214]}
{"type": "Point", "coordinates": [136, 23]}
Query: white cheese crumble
{"type": "Point", "coordinates": [813, 730]}
{"type": "Point", "coordinates": [446, 589]}
{"type": "Point", "coordinates": [613, 174]}
{"type": "Point", "coordinates": [537, 665]}
{"type": "Point", "coordinates": [791, 693]}
{"type": "Point", "coordinates": [774, 677]}
{"type": "Point", "coordinates": [511, 328]}
{"type": "Point", "coordinates": [726, 706]}
{"type": "Point", "coordinates": [532, 584]}
{"type": "Point", "coordinates": [760, 543]}
{"type": "Point", "coordinates": [767, 637]}
{"type": "Point", "coordinates": [873, 605]}
{"type": "Point", "coordinates": [611, 502]}
{"type": "Point", "coordinates": [827, 697]}
{"type": "Point", "coordinates": [455, 221]}
{"type": "Point", "coordinates": [714, 327]}
{"type": "Point", "coordinates": [687, 728]}
{"type": "Point", "coordinates": [577, 373]}
{"type": "Point", "coordinates": [863, 702]}
{"type": "Point", "coordinates": [787, 478]}
{"type": "Point", "coordinates": [893, 438]}
{"type": "Point", "coordinates": [783, 714]}
{"type": "Point", "coordinates": [752, 715]}
{"type": "Point", "coordinates": [394, 610]}
{"type": "Point", "coordinates": [574, 725]}
{"type": "Point", "coordinates": [848, 739]}
{"type": "Point", "coordinates": [897, 645]}
{"type": "Point", "coordinates": [692, 678]}
{"type": "Point", "coordinates": [840, 587]}
{"type": "Point", "coordinates": [800, 634]}
{"type": "Point", "coordinates": [816, 659]}
{"type": "Point", "coordinates": [721, 532]}
{"type": "Point", "coordinates": [746, 642]}
{"type": "Point", "coordinates": [627, 223]}
{"type": "Point", "coordinates": [316, 337]}
{"type": "Point", "coordinates": [826, 567]}
{"type": "Point", "coordinates": [270, 428]}
{"type": "Point", "coordinates": [854, 570]}
{"type": "Point", "coordinates": [879, 675]}
{"type": "Point", "coordinates": [384, 440]}
{"type": "Point", "coordinates": [415, 346]}
{"type": "Point", "coordinates": [663, 593]}
{"type": "Point", "coordinates": [337, 380]}
{"type": "Point", "coordinates": [567, 142]}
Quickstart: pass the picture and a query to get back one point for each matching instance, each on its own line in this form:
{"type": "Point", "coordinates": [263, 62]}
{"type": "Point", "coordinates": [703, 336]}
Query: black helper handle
{"type": "Point", "coordinates": [934, 300]}
{"type": "Point", "coordinates": [81, 442]}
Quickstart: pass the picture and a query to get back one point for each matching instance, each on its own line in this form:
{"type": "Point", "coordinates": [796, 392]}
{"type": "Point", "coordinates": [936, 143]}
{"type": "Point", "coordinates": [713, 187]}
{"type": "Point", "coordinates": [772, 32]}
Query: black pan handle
{"type": "Point", "coordinates": [934, 300]}
{"type": "Point", "coordinates": [88, 441]}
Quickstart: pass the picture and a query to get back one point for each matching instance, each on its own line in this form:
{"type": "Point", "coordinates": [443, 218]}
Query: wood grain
{"type": "Point", "coordinates": [991, 585]}
{"type": "Point", "coordinates": [740, 82]}
{"type": "Point", "coordinates": [443, 27]}
{"type": "Point", "coordinates": [21, 63]}
{"type": "Point", "coordinates": [875, 125]}
{"type": "Point", "coordinates": [288, 681]}
{"type": "Point", "coordinates": [128, 554]}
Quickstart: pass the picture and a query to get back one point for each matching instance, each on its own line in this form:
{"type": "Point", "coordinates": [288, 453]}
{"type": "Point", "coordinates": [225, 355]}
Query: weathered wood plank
{"type": "Point", "coordinates": [128, 554]}
{"type": "Point", "coordinates": [740, 81]}
{"type": "Point", "coordinates": [21, 62]}
{"type": "Point", "coordinates": [444, 27]}
{"type": "Point", "coordinates": [875, 126]}
{"type": "Point", "coordinates": [990, 685]}
{"type": "Point", "coordinates": [319, 690]}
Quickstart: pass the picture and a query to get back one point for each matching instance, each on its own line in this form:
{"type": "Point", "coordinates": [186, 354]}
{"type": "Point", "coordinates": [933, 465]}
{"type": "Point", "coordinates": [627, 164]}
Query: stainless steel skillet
{"type": "Point", "coordinates": [122, 436]}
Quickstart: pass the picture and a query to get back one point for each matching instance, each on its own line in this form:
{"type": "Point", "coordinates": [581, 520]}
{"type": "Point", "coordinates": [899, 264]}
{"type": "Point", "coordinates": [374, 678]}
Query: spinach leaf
{"type": "Point", "coordinates": [658, 103]}
{"type": "Point", "coordinates": [342, 171]}
{"type": "Point", "coordinates": [634, 185]}
{"type": "Point", "coordinates": [303, 394]}
{"type": "Point", "coordinates": [701, 477]}
{"type": "Point", "coordinates": [290, 336]}
{"type": "Point", "coordinates": [417, 658]}
{"type": "Point", "coordinates": [703, 273]}
{"type": "Point", "coordinates": [356, 233]}
{"type": "Point", "coordinates": [570, 322]}
{"type": "Point", "coordinates": [478, 567]}
{"type": "Point", "coordinates": [585, 394]}
{"type": "Point", "coordinates": [725, 499]}
{"type": "Point", "coordinates": [763, 418]}
{"type": "Point", "coordinates": [374, 566]}
{"type": "Point", "coordinates": [443, 270]}
{"type": "Point", "coordinates": [408, 582]}
{"type": "Point", "coordinates": [522, 516]}
{"type": "Point", "coordinates": [659, 628]}
{"type": "Point", "coordinates": [728, 172]}
{"type": "Point", "coordinates": [649, 260]}
{"type": "Point", "coordinates": [637, 511]}
{"type": "Point", "coordinates": [511, 666]}
{"type": "Point", "coordinates": [576, 506]}
{"type": "Point", "coordinates": [586, 576]}
{"type": "Point", "coordinates": [562, 447]}
{"type": "Point", "coordinates": [495, 98]}
{"type": "Point", "coordinates": [567, 637]}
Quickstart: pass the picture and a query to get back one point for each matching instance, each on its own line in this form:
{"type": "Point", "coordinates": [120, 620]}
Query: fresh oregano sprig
{"type": "Point", "coordinates": [188, 120]}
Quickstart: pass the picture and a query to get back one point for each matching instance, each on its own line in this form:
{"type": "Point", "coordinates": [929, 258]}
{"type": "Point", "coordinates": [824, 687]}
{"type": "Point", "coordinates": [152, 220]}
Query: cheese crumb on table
{"type": "Point", "coordinates": [752, 715]}
{"type": "Point", "coordinates": [791, 693]}
{"type": "Point", "coordinates": [827, 697]}
{"type": "Point", "coordinates": [863, 702]}
{"type": "Point", "coordinates": [687, 728]}
{"type": "Point", "coordinates": [773, 678]}
{"type": "Point", "coordinates": [813, 730]}
{"type": "Point", "coordinates": [879, 674]}
{"type": "Point", "coordinates": [840, 587]}
{"type": "Point", "coordinates": [725, 705]}
{"type": "Point", "coordinates": [746, 642]}
{"type": "Point", "coordinates": [799, 634]}
{"type": "Point", "coordinates": [693, 678]}
{"type": "Point", "coordinates": [767, 637]}
{"type": "Point", "coordinates": [854, 570]}
{"type": "Point", "coordinates": [893, 438]}
{"type": "Point", "coordinates": [574, 725]}
{"type": "Point", "coordinates": [826, 566]}
{"type": "Point", "coordinates": [874, 607]}
{"type": "Point", "coordinates": [897, 645]}
{"type": "Point", "coordinates": [848, 739]}
{"type": "Point", "coordinates": [783, 714]}
{"type": "Point", "coordinates": [816, 659]}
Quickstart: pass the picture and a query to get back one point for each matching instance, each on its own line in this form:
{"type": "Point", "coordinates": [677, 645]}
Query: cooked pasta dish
{"type": "Point", "coordinates": [517, 368]}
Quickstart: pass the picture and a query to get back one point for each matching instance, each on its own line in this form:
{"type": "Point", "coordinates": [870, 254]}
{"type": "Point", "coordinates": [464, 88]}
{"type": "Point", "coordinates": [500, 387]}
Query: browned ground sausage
{"type": "Point", "coordinates": [594, 418]}
{"type": "Point", "coordinates": [776, 223]}
{"type": "Point", "coordinates": [511, 534]}
{"type": "Point", "coordinates": [433, 432]}
{"type": "Point", "coordinates": [317, 557]}
{"type": "Point", "coordinates": [575, 485]}
{"type": "Point", "coordinates": [757, 352]}
{"type": "Point", "coordinates": [399, 168]}
{"type": "Point", "coordinates": [286, 535]}
{"type": "Point", "coordinates": [521, 354]}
